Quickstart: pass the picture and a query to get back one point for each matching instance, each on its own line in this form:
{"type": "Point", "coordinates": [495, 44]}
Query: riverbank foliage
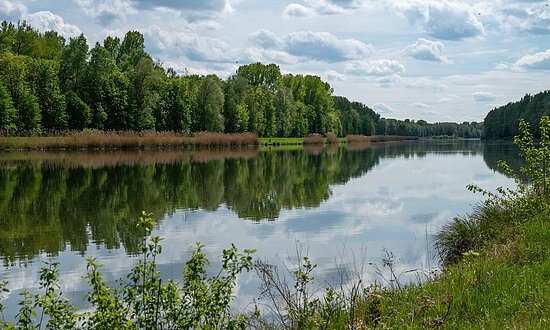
{"type": "Point", "coordinates": [141, 300]}
{"type": "Point", "coordinates": [496, 276]}
{"type": "Point", "coordinates": [50, 84]}
{"type": "Point", "coordinates": [502, 122]}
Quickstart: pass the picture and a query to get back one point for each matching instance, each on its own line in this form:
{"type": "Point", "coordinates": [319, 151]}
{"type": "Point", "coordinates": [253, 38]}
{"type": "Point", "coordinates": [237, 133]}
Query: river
{"type": "Point", "coordinates": [345, 207]}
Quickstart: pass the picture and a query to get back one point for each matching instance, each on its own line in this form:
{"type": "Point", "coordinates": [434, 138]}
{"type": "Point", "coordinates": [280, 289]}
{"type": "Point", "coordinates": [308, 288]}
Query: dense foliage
{"type": "Point", "coordinates": [49, 83]}
{"type": "Point", "coordinates": [502, 122]}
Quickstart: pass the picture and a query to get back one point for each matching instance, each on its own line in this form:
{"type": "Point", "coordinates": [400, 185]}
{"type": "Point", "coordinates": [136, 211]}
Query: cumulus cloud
{"type": "Point", "coordinates": [442, 19]}
{"type": "Point", "coordinates": [332, 75]}
{"type": "Point", "coordinates": [323, 46]}
{"type": "Point", "coordinates": [389, 81]}
{"type": "Point", "coordinates": [12, 10]}
{"type": "Point", "coordinates": [194, 47]}
{"type": "Point", "coordinates": [320, 7]}
{"type": "Point", "coordinates": [427, 50]}
{"type": "Point", "coordinates": [265, 39]}
{"type": "Point", "coordinates": [383, 67]}
{"type": "Point", "coordinates": [537, 61]}
{"type": "Point", "coordinates": [46, 20]}
{"type": "Point", "coordinates": [382, 108]}
{"type": "Point", "coordinates": [532, 18]}
{"type": "Point", "coordinates": [297, 10]}
{"type": "Point", "coordinates": [484, 96]}
{"type": "Point", "coordinates": [252, 55]}
{"type": "Point", "coordinates": [105, 12]}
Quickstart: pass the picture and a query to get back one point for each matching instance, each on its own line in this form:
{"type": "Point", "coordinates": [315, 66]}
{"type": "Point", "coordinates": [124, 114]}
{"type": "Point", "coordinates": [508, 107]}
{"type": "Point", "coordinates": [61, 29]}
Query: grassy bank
{"type": "Point", "coordinates": [496, 269]}
{"type": "Point", "coordinates": [104, 140]}
{"type": "Point", "coordinates": [317, 139]}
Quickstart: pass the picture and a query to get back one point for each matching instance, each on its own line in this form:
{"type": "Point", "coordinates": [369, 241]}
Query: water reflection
{"type": "Point", "coordinates": [332, 200]}
{"type": "Point", "coordinates": [49, 201]}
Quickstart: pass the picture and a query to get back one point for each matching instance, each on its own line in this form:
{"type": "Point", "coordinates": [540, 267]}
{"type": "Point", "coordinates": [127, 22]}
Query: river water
{"type": "Point", "coordinates": [345, 207]}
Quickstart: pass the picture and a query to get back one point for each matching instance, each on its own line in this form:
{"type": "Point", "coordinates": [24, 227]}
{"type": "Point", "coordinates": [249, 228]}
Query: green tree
{"type": "Point", "coordinates": [8, 114]}
{"type": "Point", "coordinates": [50, 99]}
{"type": "Point", "coordinates": [79, 114]}
{"type": "Point", "coordinates": [13, 73]}
{"type": "Point", "coordinates": [73, 63]}
{"type": "Point", "coordinates": [209, 115]}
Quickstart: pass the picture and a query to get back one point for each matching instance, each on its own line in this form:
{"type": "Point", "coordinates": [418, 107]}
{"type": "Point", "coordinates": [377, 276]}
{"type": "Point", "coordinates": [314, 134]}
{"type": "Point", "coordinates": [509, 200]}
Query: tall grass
{"type": "Point", "coordinates": [94, 139]}
{"type": "Point", "coordinates": [313, 139]}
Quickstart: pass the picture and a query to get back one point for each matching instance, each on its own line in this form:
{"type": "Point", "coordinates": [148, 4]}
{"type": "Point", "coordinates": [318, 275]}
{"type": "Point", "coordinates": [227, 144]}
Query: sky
{"type": "Point", "coordinates": [441, 60]}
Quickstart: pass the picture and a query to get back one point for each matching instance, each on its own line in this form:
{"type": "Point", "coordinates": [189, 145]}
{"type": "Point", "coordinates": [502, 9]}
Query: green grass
{"type": "Point", "coordinates": [281, 141]}
{"type": "Point", "coordinates": [503, 284]}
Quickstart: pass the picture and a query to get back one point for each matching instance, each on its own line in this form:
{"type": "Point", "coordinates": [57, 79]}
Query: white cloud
{"type": "Point", "coordinates": [427, 50]}
{"type": "Point", "coordinates": [12, 10]}
{"type": "Point", "coordinates": [194, 47]}
{"type": "Point", "coordinates": [320, 7]}
{"type": "Point", "coordinates": [297, 10]}
{"type": "Point", "coordinates": [383, 67]}
{"type": "Point", "coordinates": [484, 96]}
{"type": "Point", "coordinates": [382, 108]}
{"type": "Point", "coordinates": [324, 46]}
{"type": "Point", "coordinates": [46, 20]}
{"type": "Point", "coordinates": [524, 18]}
{"type": "Point", "coordinates": [442, 19]}
{"type": "Point", "coordinates": [105, 12]}
{"type": "Point", "coordinates": [265, 39]}
{"type": "Point", "coordinates": [332, 75]}
{"type": "Point", "coordinates": [537, 61]}
{"type": "Point", "coordinates": [389, 81]}
{"type": "Point", "coordinates": [267, 56]}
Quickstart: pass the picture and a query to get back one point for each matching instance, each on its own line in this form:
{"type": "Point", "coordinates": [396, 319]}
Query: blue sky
{"type": "Point", "coordinates": [439, 60]}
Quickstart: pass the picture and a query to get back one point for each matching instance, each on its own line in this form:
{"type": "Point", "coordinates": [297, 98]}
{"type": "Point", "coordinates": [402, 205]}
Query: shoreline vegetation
{"type": "Point", "coordinates": [112, 140]}
{"type": "Point", "coordinates": [496, 272]}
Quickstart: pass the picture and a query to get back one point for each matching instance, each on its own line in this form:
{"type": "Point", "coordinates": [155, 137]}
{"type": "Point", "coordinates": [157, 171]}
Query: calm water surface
{"type": "Point", "coordinates": [341, 206]}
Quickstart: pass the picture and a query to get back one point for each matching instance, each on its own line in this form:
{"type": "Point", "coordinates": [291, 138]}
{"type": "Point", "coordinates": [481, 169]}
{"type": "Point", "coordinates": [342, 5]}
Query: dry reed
{"type": "Point", "coordinates": [101, 140]}
{"type": "Point", "coordinates": [332, 138]}
{"type": "Point", "coordinates": [314, 139]}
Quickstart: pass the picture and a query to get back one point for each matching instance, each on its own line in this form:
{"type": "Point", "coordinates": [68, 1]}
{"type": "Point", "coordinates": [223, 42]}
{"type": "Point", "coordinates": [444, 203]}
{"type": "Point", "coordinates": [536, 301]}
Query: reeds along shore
{"type": "Point", "coordinates": [104, 140]}
{"type": "Point", "coordinates": [98, 140]}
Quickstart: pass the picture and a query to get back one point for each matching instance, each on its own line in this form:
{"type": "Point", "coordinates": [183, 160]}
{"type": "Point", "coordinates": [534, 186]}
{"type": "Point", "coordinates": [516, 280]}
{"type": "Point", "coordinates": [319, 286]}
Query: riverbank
{"type": "Point", "coordinates": [109, 140]}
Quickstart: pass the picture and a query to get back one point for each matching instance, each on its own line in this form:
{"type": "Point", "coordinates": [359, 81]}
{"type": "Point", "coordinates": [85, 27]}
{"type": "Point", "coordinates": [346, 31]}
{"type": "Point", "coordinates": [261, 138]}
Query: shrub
{"type": "Point", "coordinates": [314, 139]}
{"type": "Point", "coordinates": [141, 300]}
{"type": "Point", "coordinates": [332, 138]}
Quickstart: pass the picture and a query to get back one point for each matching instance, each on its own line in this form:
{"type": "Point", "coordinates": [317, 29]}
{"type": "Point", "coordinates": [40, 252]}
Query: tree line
{"type": "Point", "coordinates": [50, 83]}
{"type": "Point", "coordinates": [502, 122]}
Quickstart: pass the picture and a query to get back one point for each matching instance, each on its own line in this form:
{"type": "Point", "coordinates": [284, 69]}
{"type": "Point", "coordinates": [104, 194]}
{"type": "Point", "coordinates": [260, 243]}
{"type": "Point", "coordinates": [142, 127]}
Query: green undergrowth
{"type": "Point", "coordinates": [503, 285]}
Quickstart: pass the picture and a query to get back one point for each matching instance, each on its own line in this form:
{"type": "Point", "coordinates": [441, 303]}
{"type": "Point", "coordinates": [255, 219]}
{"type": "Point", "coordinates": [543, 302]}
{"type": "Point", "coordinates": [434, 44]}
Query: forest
{"type": "Point", "coordinates": [49, 84]}
{"type": "Point", "coordinates": [502, 122]}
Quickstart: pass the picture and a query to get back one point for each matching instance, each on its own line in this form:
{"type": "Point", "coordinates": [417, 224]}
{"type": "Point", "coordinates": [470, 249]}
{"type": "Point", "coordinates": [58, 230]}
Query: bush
{"type": "Point", "coordinates": [332, 138]}
{"type": "Point", "coordinates": [314, 139]}
{"type": "Point", "coordinates": [141, 300]}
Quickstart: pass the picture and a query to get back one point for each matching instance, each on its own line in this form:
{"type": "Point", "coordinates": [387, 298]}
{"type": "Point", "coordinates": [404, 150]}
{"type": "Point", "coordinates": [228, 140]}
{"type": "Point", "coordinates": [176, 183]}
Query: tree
{"type": "Point", "coordinates": [210, 105]}
{"type": "Point", "coordinates": [235, 109]}
{"type": "Point", "coordinates": [175, 106]}
{"type": "Point", "coordinates": [8, 114]}
{"type": "Point", "coordinates": [50, 99]}
{"type": "Point", "coordinates": [73, 63]}
{"type": "Point", "coordinates": [13, 74]}
{"type": "Point", "coordinates": [79, 114]}
{"type": "Point", "coordinates": [258, 74]}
